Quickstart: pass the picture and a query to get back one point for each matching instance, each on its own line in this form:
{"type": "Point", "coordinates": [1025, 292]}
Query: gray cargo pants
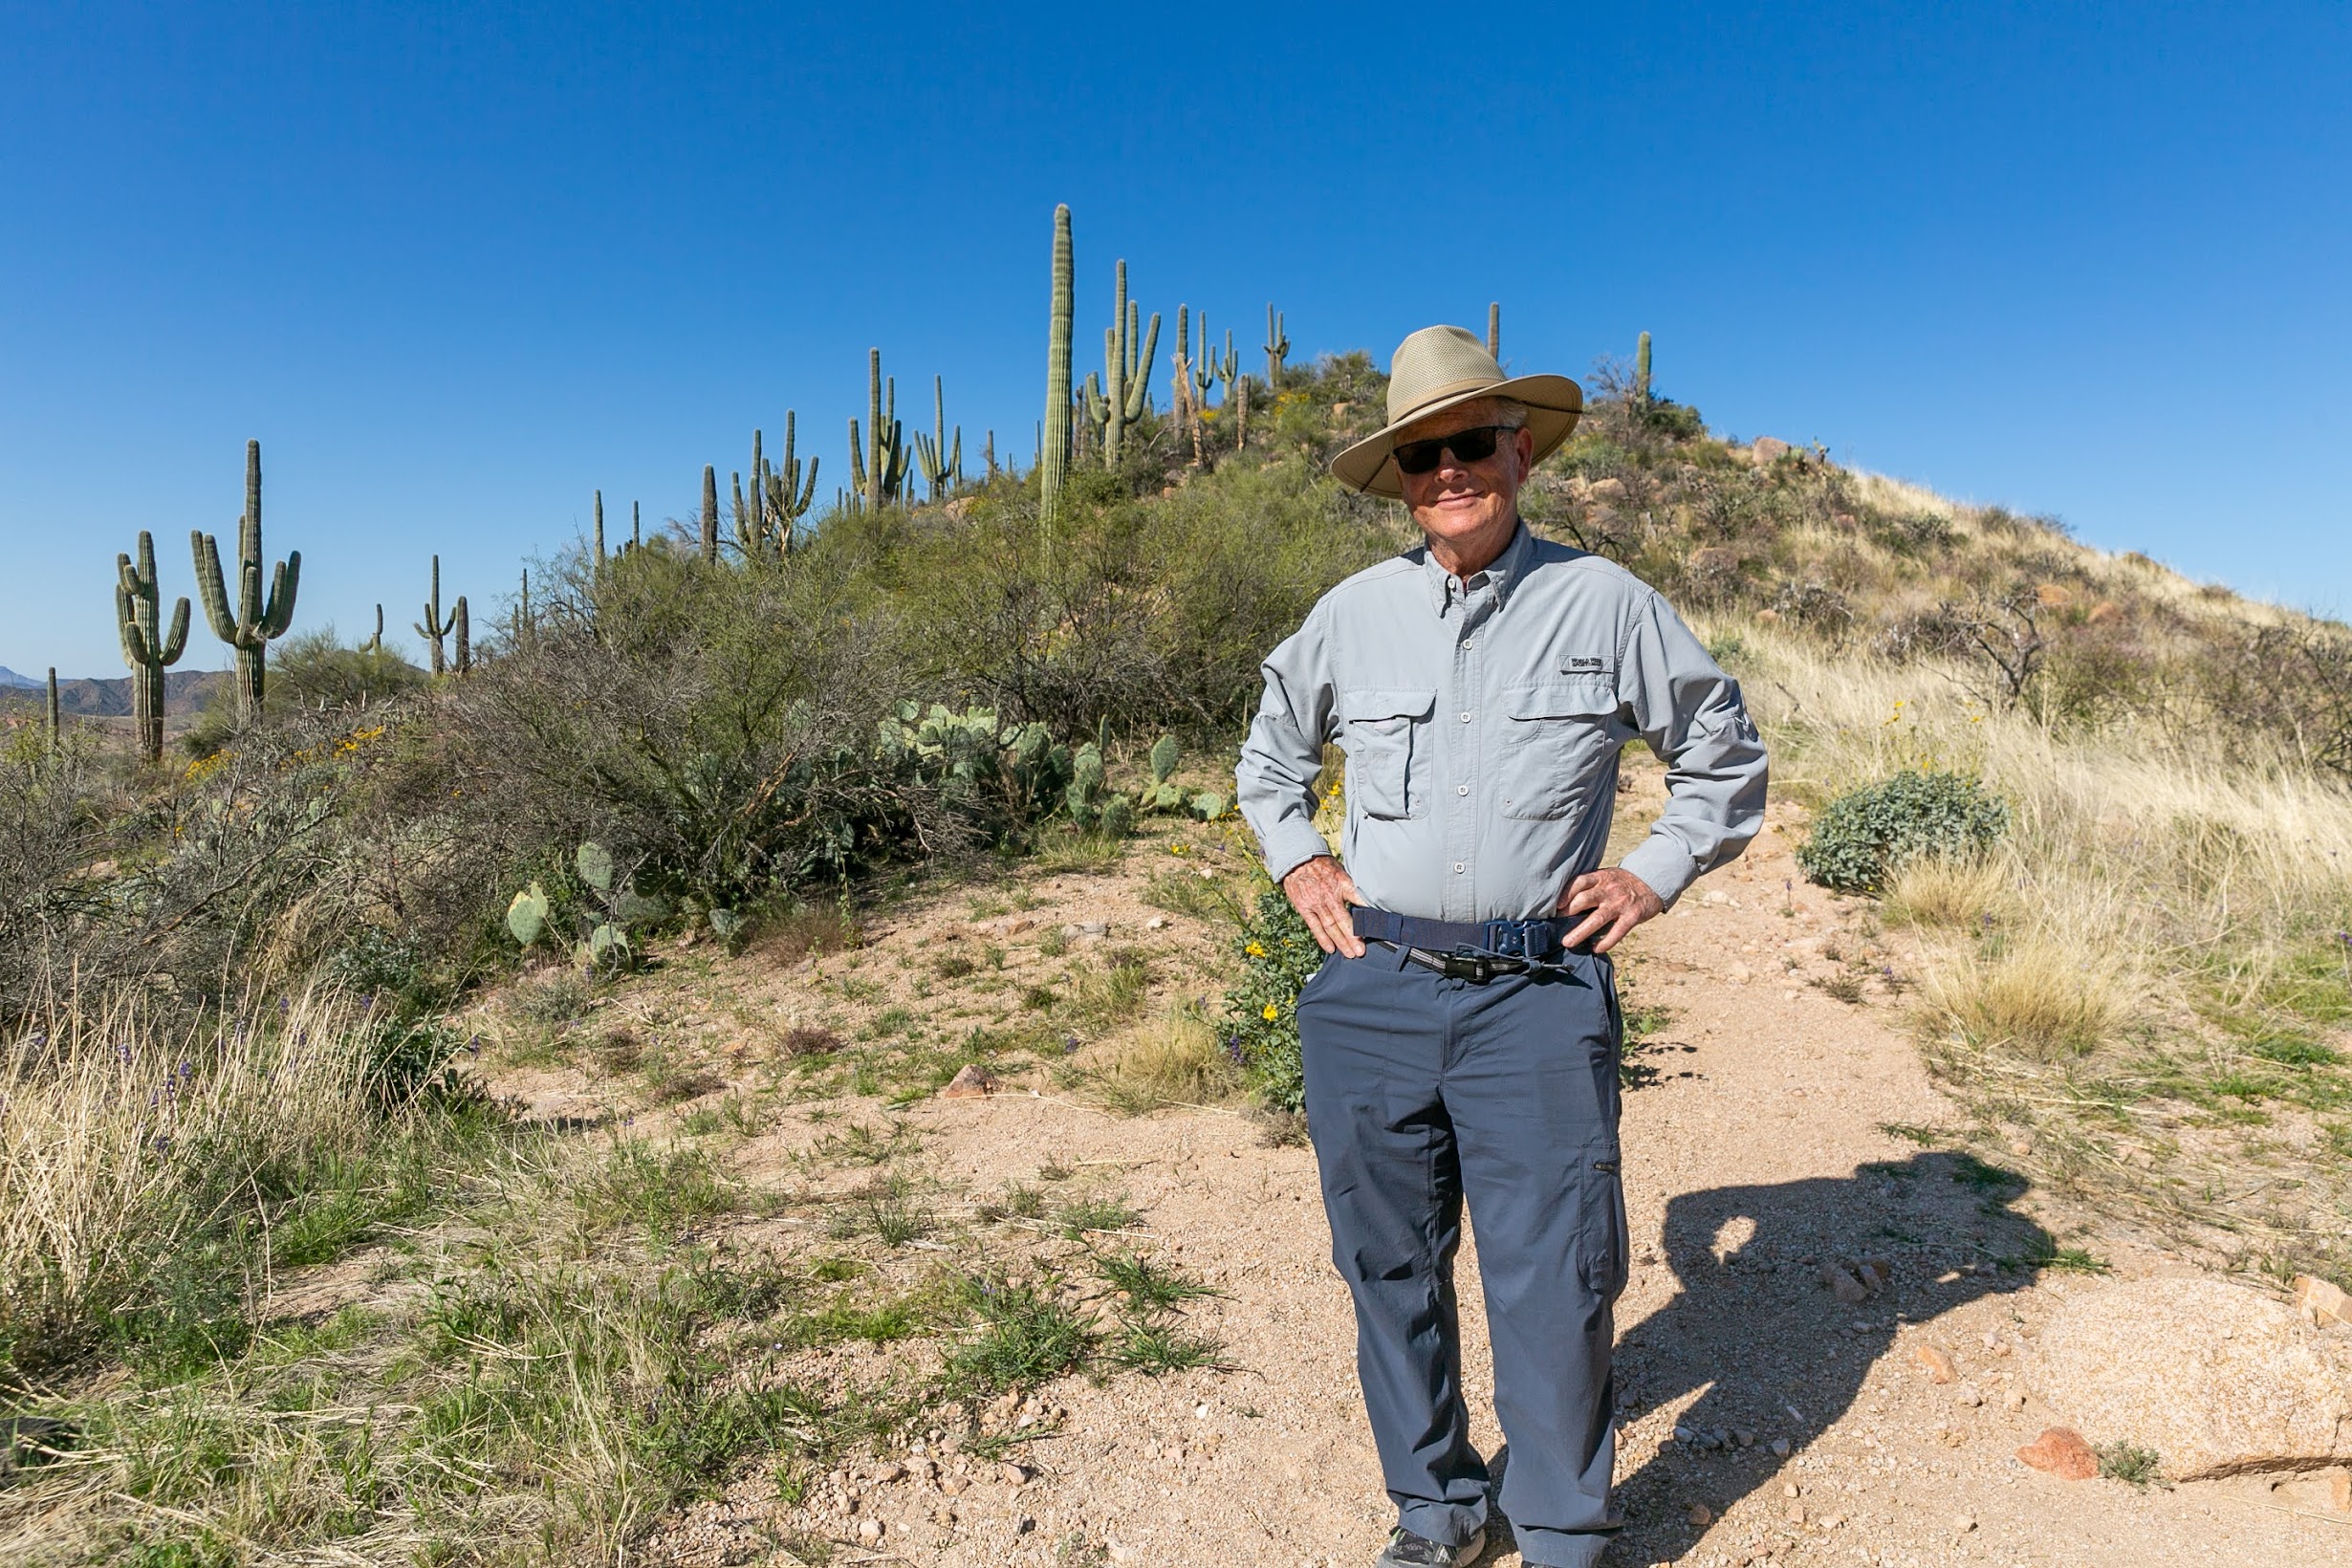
{"type": "Point", "coordinates": [1423, 1091]}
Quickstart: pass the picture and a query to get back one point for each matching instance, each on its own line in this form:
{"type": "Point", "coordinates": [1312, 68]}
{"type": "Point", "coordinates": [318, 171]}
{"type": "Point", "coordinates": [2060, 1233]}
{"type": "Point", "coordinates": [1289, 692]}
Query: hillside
{"type": "Point", "coordinates": [677, 1247]}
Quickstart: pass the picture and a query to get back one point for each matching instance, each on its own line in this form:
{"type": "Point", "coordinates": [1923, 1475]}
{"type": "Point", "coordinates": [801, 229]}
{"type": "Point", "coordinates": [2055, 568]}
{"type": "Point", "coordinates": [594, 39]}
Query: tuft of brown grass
{"type": "Point", "coordinates": [2043, 998]}
{"type": "Point", "coordinates": [1172, 1059]}
{"type": "Point", "coordinates": [1937, 891]}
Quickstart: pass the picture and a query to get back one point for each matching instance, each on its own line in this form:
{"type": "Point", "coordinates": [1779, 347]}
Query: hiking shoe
{"type": "Point", "coordinates": [1407, 1549]}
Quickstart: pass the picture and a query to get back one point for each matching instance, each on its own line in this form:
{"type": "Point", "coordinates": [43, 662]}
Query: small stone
{"type": "Point", "coordinates": [1876, 1272]}
{"type": "Point", "coordinates": [2060, 1451]}
{"type": "Point", "coordinates": [1157, 923]}
{"type": "Point", "coordinates": [1845, 1287]}
{"type": "Point", "coordinates": [1933, 1362]}
{"type": "Point", "coordinates": [1795, 1514]}
{"type": "Point", "coordinates": [888, 1473]}
{"type": "Point", "coordinates": [1701, 1516]}
{"type": "Point", "coordinates": [1962, 1524]}
{"type": "Point", "coordinates": [1968, 1394]}
{"type": "Point", "coordinates": [1790, 1489]}
{"type": "Point", "coordinates": [1087, 930]}
{"type": "Point", "coordinates": [1780, 1447]}
{"type": "Point", "coordinates": [1015, 1474]}
{"type": "Point", "coordinates": [973, 1082]}
{"type": "Point", "coordinates": [1744, 1437]}
{"type": "Point", "coordinates": [2339, 1492]}
{"type": "Point", "coordinates": [2015, 1399]}
{"type": "Point", "coordinates": [1200, 1412]}
{"type": "Point", "coordinates": [870, 1531]}
{"type": "Point", "coordinates": [2321, 1302]}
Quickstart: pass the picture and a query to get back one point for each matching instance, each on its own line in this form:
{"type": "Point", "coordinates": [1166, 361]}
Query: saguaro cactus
{"type": "Point", "coordinates": [940, 465]}
{"type": "Point", "coordinates": [780, 497]}
{"type": "Point", "coordinates": [710, 512]}
{"type": "Point", "coordinates": [600, 553]}
{"type": "Point", "coordinates": [57, 718]}
{"type": "Point", "coordinates": [1494, 331]}
{"type": "Point", "coordinates": [434, 626]}
{"type": "Point", "coordinates": [1127, 353]}
{"type": "Point", "coordinates": [138, 618]}
{"type": "Point", "coordinates": [1641, 370]}
{"type": "Point", "coordinates": [1277, 346]}
{"type": "Point", "coordinates": [878, 459]}
{"type": "Point", "coordinates": [256, 620]}
{"type": "Point", "coordinates": [465, 637]}
{"type": "Point", "coordinates": [375, 643]}
{"type": "Point", "coordinates": [1053, 435]}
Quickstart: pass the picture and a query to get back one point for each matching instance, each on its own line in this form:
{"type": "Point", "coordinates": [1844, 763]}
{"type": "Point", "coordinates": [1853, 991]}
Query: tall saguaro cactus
{"type": "Point", "coordinates": [877, 461]}
{"type": "Point", "coordinates": [780, 497]}
{"type": "Point", "coordinates": [1641, 371]}
{"type": "Point", "coordinates": [137, 617]}
{"type": "Point", "coordinates": [1127, 353]}
{"type": "Point", "coordinates": [710, 513]}
{"type": "Point", "coordinates": [1494, 331]}
{"type": "Point", "coordinates": [56, 717]}
{"type": "Point", "coordinates": [940, 464]}
{"type": "Point", "coordinates": [254, 621]}
{"type": "Point", "coordinates": [435, 626]}
{"type": "Point", "coordinates": [1053, 436]}
{"type": "Point", "coordinates": [1277, 346]}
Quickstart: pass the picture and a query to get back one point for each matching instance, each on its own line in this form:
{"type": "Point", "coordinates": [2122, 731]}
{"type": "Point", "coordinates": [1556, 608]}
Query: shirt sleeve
{"type": "Point", "coordinates": [1693, 715]}
{"type": "Point", "coordinates": [1274, 782]}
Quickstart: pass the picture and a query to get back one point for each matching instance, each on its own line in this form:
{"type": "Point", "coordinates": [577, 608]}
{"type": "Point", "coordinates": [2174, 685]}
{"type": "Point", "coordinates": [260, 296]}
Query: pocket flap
{"type": "Point", "coordinates": [1584, 699]}
{"type": "Point", "coordinates": [1398, 703]}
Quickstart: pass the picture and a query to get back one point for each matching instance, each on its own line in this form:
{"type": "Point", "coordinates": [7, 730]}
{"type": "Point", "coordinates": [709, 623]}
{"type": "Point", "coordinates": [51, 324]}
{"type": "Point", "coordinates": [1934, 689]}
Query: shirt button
{"type": "Point", "coordinates": [1466, 718]}
{"type": "Point", "coordinates": [1457, 868]}
{"type": "Point", "coordinates": [1461, 789]}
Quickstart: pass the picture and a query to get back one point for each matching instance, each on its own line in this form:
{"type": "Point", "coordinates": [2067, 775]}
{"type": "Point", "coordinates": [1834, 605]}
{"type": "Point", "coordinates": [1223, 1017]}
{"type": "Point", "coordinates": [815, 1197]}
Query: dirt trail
{"type": "Point", "coordinates": [1755, 1152]}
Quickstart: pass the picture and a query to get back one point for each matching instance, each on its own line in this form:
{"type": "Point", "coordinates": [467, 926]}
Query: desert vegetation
{"type": "Point", "coordinates": [249, 989]}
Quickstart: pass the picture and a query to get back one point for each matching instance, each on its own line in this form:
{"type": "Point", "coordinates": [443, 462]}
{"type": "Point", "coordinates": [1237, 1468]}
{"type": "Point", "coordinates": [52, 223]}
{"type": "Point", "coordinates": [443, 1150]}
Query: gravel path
{"type": "Point", "coordinates": [1765, 1418]}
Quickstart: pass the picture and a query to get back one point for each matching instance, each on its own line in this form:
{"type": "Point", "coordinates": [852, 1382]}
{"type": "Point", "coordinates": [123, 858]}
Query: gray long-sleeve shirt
{"type": "Point", "coordinates": [1482, 721]}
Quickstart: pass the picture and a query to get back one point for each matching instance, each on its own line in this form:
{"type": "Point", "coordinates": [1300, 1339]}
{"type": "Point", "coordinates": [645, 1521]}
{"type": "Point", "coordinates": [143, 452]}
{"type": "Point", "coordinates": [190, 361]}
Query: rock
{"type": "Point", "coordinates": [2339, 1492]}
{"type": "Point", "coordinates": [2321, 1302]}
{"type": "Point", "coordinates": [1005, 926]}
{"type": "Point", "coordinates": [869, 1530]}
{"type": "Point", "coordinates": [2216, 1379]}
{"type": "Point", "coordinates": [1847, 1288]}
{"type": "Point", "coordinates": [1876, 1272]}
{"type": "Point", "coordinates": [1157, 923]}
{"type": "Point", "coordinates": [1780, 1447]}
{"type": "Point", "coordinates": [1765, 449]}
{"type": "Point", "coordinates": [973, 1082]}
{"type": "Point", "coordinates": [888, 1473]}
{"type": "Point", "coordinates": [1962, 1524]}
{"type": "Point", "coordinates": [958, 509]}
{"type": "Point", "coordinates": [1089, 930]}
{"type": "Point", "coordinates": [2060, 1451]}
{"type": "Point", "coordinates": [1607, 493]}
{"type": "Point", "coordinates": [1701, 1516]}
{"type": "Point", "coordinates": [1015, 1474]}
{"type": "Point", "coordinates": [1933, 1362]}
{"type": "Point", "coordinates": [1970, 1395]}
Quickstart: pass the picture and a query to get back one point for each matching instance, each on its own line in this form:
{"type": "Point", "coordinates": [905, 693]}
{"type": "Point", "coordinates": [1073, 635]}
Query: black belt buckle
{"type": "Point", "coordinates": [1476, 968]}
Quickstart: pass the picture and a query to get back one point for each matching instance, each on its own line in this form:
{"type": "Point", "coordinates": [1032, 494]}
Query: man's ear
{"type": "Point", "coordinates": [1523, 442]}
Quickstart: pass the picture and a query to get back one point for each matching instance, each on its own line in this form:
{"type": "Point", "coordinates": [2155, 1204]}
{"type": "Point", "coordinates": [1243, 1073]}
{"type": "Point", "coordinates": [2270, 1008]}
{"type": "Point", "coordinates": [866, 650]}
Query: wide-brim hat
{"type": "Point", "coordinates": [1436, 368]}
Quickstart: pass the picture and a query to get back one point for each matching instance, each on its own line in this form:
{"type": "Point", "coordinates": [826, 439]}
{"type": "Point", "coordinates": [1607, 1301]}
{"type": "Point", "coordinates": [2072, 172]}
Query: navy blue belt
{"type": "Point", "coordinates": [1468, 950]}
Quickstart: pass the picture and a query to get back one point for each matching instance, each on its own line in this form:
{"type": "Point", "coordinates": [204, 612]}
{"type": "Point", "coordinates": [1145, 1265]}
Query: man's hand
{"type": "Point", "coordinates": [1321, 894]}
{"type": "Point", "coordinates": [1612, 903]}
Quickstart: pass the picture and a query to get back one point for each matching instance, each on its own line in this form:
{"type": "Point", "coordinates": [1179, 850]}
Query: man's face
{"type": "Point", "coordinates": [1460, 502]}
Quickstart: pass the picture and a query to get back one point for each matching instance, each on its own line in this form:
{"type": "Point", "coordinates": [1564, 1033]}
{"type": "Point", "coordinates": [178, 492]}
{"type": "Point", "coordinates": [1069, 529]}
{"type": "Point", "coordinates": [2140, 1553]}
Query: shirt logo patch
{"type": "Point", "coordinates": [1582, 667]}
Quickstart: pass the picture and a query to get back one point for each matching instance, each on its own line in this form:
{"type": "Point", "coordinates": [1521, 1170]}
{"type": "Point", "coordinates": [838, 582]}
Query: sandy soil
{"type": "Point", "coordinates": [1758, 1151]}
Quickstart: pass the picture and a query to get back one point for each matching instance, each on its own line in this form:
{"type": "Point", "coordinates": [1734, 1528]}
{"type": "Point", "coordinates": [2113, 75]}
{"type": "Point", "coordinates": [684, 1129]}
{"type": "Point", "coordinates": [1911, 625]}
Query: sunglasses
{"type": "Point", "coordinates": [1475, 444]}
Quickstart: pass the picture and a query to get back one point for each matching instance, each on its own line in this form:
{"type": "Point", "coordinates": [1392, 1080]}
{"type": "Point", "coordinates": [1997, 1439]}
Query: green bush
{"type": "Point", "coordinates": [1862, 837]}
{"type": "Point", "coordinates": [1278, 956]}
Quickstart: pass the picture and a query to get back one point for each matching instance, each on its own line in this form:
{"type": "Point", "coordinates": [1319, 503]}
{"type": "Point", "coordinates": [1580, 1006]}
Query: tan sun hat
{"type": "Point", "coordinates": [1436, 368]}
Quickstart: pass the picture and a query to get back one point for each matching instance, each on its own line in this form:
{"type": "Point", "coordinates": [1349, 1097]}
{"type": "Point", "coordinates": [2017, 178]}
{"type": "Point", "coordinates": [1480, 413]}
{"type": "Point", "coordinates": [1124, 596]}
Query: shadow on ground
{"type": "Point", "coordinates": [1772, 1349]}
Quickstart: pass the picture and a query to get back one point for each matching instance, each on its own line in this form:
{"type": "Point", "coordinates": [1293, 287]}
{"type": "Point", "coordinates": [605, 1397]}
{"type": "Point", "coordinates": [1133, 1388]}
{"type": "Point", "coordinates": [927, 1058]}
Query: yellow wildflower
{"type": "Point", "coordinates": [1273, 1013]}
{"type": "Point", "coordinates": [1255, 950]}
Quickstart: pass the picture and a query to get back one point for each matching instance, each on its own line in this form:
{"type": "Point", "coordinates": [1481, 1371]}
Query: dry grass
{"type": "Point", "coordinates": [2157, 893]}
{"type": "Point", "coordinates": [1172, 1060]}
{"type": "Point", "coordinates": [124, 1134]}
{"type": "Point", "coordinates": [1942, 893]}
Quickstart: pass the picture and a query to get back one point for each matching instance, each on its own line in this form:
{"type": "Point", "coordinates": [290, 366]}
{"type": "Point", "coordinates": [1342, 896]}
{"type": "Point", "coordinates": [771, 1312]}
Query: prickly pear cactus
{"type": "Point", "coordinates": [527, 915]}
{"type": "Point", "coordinates": [1164, 758]}
{"type": "Point", "coordinates": [1085, 792]}
{"type": "Point", "coordinates": [595, 865]}
{"type": "Point", "coordinates": [1118, 820]}
{"type": "Point", "coordinates": [1208, 806]}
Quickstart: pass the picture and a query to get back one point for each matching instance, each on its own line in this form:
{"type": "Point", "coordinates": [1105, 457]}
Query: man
{"type": "Point", "coordinates": [1461, 1038]}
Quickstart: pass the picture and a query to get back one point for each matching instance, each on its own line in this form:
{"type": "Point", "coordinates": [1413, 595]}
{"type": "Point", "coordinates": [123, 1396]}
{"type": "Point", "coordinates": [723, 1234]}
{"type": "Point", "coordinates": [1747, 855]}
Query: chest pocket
{"type": "Point", "coordinates": [1559, 736]}
{"type": "Point", "coordinates": [1382, 730]}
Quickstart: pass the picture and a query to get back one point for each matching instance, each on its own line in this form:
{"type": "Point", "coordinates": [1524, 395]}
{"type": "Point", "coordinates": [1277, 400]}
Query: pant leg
{"type": "Point", "coordinates": [1372, 1040]}
{"type": "Point", "coordinates": [1532, 1093]}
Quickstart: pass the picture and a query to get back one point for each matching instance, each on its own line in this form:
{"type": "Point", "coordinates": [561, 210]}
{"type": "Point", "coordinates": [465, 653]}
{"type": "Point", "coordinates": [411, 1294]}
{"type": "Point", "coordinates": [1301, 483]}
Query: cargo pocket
{"type": "Point", "coordinates": [1559, 734]}
{"type": "Point", "coordinates": [1378, 735]}
{"type": "Point", "coordinates": [1604, 1240]}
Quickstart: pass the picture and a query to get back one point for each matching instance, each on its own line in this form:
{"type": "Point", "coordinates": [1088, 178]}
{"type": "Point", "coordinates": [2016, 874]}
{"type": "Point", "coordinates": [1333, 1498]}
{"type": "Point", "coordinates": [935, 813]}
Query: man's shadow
{"type": "Point", "coordinates": [1778, 1354]}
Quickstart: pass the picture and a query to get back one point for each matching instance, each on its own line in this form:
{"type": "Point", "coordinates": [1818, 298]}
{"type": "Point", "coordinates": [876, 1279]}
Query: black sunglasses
{"type": "Point", "coordinates": [1475, 444]}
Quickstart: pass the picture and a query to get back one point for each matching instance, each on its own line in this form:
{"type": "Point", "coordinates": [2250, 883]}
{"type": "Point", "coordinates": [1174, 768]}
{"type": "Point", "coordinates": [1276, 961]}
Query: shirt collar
{"type": "Point", "coordinates": [1502, 572]}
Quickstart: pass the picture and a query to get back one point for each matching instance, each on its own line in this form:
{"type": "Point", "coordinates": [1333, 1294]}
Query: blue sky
{"type": "Point", "coordinates": [458, 266]}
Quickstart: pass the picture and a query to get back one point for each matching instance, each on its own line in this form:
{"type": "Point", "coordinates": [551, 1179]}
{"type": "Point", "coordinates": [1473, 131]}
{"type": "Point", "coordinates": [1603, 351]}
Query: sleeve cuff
{"type": "Point", "coordinates": [1664, 865]}
{"type": "Point", "coordinates": [1291, 845]}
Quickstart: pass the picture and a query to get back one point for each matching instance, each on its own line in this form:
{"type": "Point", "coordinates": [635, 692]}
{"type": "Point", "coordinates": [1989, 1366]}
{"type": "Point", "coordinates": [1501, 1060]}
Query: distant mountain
{"type": "Point", "coordinates": [184, 691]}
{"type": "Point", "coordinates": [9, 678]}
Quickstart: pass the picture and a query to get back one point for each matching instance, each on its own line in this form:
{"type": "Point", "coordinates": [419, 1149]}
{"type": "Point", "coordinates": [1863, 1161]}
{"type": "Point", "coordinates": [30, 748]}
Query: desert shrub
{"type": "Point", "coordinates": [314, 670]}
{"type": "Point", "coordinates": [1278, 957]}
{"type": "Point", "coordinates": [1863, 836]}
